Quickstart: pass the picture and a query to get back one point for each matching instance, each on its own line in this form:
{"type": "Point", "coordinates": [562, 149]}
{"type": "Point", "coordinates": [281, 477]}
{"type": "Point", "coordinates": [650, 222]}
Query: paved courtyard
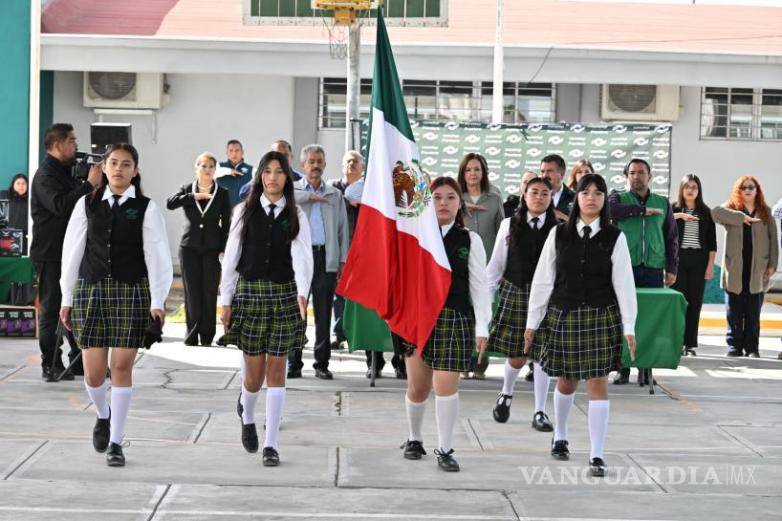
{"type": "Point", "coordinates": [707, 446]}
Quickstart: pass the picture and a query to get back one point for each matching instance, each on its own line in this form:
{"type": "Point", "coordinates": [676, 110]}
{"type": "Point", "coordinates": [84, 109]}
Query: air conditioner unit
{"type": "Point", "coordinates": [639, 103]}
{"type": "Point", "coordinates": [124, 90]}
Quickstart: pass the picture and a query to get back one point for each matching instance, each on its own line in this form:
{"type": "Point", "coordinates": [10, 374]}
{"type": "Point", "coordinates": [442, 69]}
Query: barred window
{"type": "Point", "coordinates": [741, 114]}
{"type": "Point", "coordinates": [447, 100]}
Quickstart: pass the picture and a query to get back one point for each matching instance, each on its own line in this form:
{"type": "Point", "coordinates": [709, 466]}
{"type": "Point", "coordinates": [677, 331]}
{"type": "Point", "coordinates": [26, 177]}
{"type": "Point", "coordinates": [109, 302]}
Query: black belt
{"type": "Point", "coordinates": [319, 248]}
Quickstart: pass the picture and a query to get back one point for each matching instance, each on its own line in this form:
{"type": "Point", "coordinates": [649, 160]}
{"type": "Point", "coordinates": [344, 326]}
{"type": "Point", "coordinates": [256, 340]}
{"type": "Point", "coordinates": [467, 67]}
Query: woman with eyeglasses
{"type": "Point", "coordinates": [697, 249]}
{"type": "Point", "coordinates": [580, 168]}
{"type": "Point", "coordinates": [751, 253]}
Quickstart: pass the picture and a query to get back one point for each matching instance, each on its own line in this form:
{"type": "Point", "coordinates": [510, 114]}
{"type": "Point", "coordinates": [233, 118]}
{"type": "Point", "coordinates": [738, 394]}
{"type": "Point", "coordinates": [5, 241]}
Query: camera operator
{"type": "Point", "coordinates": [54, 194]}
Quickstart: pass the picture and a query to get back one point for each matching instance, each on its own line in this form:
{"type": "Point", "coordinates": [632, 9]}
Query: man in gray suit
{"type": "Point", "coordinates": [325, 209]}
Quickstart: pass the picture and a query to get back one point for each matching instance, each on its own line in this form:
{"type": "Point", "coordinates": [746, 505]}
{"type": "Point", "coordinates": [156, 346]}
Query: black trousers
{"type": "Point", "coordinates": [339, 312]}
{"type": "Point", "coordinates": [322, 291]}
{"type": "Point", "coordinates": [690, 282]}
{"type": "Point", "coordinates": [49, 329]}
{"type": "Point", "coordinates": [200, 278]}
{"type": "Point", "coordinates": [743, 321]}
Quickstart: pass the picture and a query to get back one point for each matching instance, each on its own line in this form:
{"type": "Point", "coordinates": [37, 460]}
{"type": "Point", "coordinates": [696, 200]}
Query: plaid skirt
{"type": "Point", "coordinates": [110, 313]}
{"type": "Point", "coordinates": [265, 318]}
{"type": "Point", "coordinates": [451, 343]}
{"type": "Point", "coordinates": [579, 343]}
{"type": "Point", "coordinates": [506, 333]}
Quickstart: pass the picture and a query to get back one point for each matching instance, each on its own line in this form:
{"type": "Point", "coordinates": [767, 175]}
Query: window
{"type": "Point", "coordinates": [448, 100]}
{"type": "Point", "coordinates": [417, 13]}
{"type": "Point", "coordinates": [741, 114]}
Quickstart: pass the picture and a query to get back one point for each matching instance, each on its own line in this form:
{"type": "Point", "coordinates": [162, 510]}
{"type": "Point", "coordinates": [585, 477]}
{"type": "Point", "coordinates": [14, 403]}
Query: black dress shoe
{"type": "Point", "coordinates": [294, 373]}
{"type": "Point", "coordinates": [250, 438]}
{"type": "Point", "coordinates": [401, 374]}
{"type": "Point", "coordinates": [271, 458]}
{"type": "Point", "coordinates": [753, 354]}
{"type": "Point", "coordinates": [622, 378]}
{"type": "Point", "coordinates": [597, 467]}
{"type": "Point", "coordinates": [114, 456]}
{"type": "Point", "coordinates": [689, 351]}
{"type": "Point", "coordinates": [540, 422]}
{"type": "Point", "coordinates": [56, 374]}
{"type": "Point", "coordinates": [734, 352]}
{"type": "Point", "coordinates": [324, 374]}
{"type": "Point", "coordinates": [414, 449]}
{"type": "Point", "coordinates": [446, 461]}
{"type": "Point", "coordinates": [529, 377]}
{"type": "Point", "coordinates": [100, 434]}
{"type": "Point", "coordinates": [337, 345]}
{"type": "Point", "coordinates": [501, 410]}
{"type": "Point", "coordinates": [207, 342]}
{"type": "Point", "coordinates": [559, 450]}
{"type": "Point", "coordinates": [191, 342]}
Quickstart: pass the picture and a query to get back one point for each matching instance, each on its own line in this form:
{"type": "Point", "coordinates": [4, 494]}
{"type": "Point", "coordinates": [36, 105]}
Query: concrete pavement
{"type": "Point", "coordinates": [707, 446]}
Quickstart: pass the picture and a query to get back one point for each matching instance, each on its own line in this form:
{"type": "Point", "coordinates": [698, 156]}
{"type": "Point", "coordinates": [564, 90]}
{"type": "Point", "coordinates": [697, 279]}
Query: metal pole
{"type": "Point", "coordinates": [34, 106]}
{"type": "Point", "coordinates": [499, 65]}
{"type": "Point", "coordinates": [353, 106]}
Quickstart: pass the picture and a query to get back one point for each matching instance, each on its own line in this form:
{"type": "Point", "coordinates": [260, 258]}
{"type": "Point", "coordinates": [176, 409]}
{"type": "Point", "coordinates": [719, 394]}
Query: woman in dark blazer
{"type": "Point", "coordinates": [208, 212]}
{"type": "Point", "coordinates": [697, 249]}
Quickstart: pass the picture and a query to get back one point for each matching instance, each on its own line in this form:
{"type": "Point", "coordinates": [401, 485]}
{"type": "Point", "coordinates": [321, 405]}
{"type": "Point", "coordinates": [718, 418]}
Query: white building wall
{"type": "Point", "coordinates": [205, 111]}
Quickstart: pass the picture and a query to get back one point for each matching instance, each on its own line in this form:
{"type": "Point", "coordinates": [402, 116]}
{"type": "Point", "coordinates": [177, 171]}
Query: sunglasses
{"type": "Point", "coordinates": [749, 188]}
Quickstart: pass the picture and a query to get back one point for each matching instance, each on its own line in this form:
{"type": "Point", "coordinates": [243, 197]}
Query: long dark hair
{"type": "Point", "coordinates": [700, 207]}
{"type": "Point", "coordinates": [484, 176]}
{"type": "Point", "coordinates": [104, 181]}
{"type": "Point", "coordinates": [253, 200]}
{"type": "Point", "coordinates": [519, 219]}
{"type": "Point", "coordinates": [450, 182]}
{"type": "Point", "coordinates": [571, 230]}
{"type": "Point", "coordinates": [12, 193]}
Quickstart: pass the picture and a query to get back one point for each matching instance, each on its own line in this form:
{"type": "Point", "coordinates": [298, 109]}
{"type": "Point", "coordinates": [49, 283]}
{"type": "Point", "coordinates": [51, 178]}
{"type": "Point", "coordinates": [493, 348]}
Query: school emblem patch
{"type": "Point", "coordinates": [411, 189]}
{"type": "Point", "coordinates": [463, 253]}
{"type": "Point", "coordinates": [131, 214]}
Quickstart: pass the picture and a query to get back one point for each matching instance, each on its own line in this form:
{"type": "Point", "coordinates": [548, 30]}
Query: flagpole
{"type": "Point", "coordinates": [499, 65]}
{"type": "Point", "coordinates": [352, 103]}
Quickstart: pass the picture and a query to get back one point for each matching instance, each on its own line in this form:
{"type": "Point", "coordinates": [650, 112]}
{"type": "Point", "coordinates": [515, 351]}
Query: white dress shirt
{"type": "Point", "coordinates": [157, 254]}
{"type": "Point", "coordinates": [301, 251]}
{"type": "Point", "coordinates": [499, 256]}
{"type": "Point", "coordinates": [557, 195]}
{"type": "Point", "coordinates": [621, 278]}
{"type": "Point", "coordinates": [479, 291]}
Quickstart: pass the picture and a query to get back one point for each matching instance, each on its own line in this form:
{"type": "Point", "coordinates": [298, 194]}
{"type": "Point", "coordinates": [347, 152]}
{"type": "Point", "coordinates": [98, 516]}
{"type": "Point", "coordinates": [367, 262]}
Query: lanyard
{"type": "Point", "coordinates": [211, 199]}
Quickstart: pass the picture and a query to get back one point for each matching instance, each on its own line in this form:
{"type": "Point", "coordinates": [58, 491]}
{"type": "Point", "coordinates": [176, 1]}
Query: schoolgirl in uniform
{"type": "Point", "coordinates": [462, 324]}
{"type": "Point", "coordinates": [116, 273]}
{"type": "Point", "coordinates": [266, 277]}
{"type": "Point", "coordinates": [582, 300]}
{"type": "Point", "coordinates": [512, 265]}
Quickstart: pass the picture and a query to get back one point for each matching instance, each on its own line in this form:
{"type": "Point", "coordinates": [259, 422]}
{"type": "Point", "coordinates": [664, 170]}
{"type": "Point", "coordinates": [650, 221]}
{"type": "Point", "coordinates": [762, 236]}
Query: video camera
{"type": "Point", "coordinates": [101, 136]}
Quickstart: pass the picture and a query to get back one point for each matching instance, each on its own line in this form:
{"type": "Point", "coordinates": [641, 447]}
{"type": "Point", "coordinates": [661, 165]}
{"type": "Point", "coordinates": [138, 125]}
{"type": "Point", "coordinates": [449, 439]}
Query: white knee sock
{"type": "Point", "coordinates": [541, 387]}
{"type": "Point", "coordinates": [275, 401]}
{"type": "Point", "coordinates": [562, 405]}
{"type": "Point", "coordinates": [446, 410]}
{"type": "Point", "coordinates": [598, 426]}
{"type": "Point", "coordinates": [415, 418]}
{"type": "Point", "coordinates": [120, 405]}
{"type": "Point", "coordinates": [248, 404]}
{"type": "Point", "coordinates": [98, 397]}
{"type": "Point", "coordinates": [511, 373]}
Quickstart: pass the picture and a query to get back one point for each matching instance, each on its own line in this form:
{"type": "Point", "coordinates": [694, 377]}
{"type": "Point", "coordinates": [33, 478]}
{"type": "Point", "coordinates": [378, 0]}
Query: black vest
{"type": "Point", "coordinates": [115, 240]}
{"type": "Point", "coordinates": [523, 255]}
{"type": "Point", "coordinates": [266, 251]}
{"type": "Point", "coordinates": [584, 269]}
{"type": "Point", "coordinates": [457, 247]}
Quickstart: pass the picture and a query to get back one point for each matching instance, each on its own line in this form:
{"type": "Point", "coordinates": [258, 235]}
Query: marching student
{"type": "Point", "coordinates": [266, 277]}
{"type": "Point", "coordinates": [582, 300]}
{"type": "Point", "coordinates": [116, 273]}
{"type": "Point", "coordinates": [462, 324]}
{"type": "Point", "coordinates": [512, 265]}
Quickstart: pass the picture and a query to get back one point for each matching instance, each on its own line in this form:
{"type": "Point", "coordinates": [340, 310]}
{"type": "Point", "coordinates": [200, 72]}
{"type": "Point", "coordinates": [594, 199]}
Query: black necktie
{"type": "Point", "coordinates": [115, 206]}
{"type": "Point", "coordinates": [587, 230]}
{"type": "Point", "coordinates": [272, 206]}
{"type": "Point", "coordinates": [535, 221]}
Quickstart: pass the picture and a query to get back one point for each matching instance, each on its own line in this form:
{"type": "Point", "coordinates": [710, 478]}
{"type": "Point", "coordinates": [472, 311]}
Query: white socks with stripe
{"type": "Point", "coordinates": [98, 397]}
{"type": "Point", "coordinates": [248, 400]}
{"type": "Point", "coordinates": [275, 401]}
{"type": "Point", "coordinates": [446, 410]}
{"type": "Point", "coordinates": [511, 373]}
{"type": "Point", "coordinates": [415, 418]}
{"type": "Point", "coordinates": [598, 426]}
{"type": "Point", "coordinates": [562, 405]}
{"type": "Point", "coordinates": [120, 405]}
{"type": "Point", "coordinates": [541, 381]}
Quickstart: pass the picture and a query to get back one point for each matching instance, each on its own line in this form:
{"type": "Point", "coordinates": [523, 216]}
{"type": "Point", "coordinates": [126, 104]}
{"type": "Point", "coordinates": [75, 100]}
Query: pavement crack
{"type": "Point", "coordinates": [168, 377]}
{"type": "Point", "coordinates": [230, 381]}
{"type": "Point", "coordinates": [740, 441]}
{"type": "Point", "coordinates": [510, 503]}
{"type": "Point", "coordinates": [336, 470]}
{"type": "Point", "coordinates": [338, 403]}
{"type": "Point", "coordinates": [25, 460]}
{"type": "Point", "coordinates": [474, 433]}
{"type": "Point", "coordinates": [159, 501]}
{"type": "Point", "coordinates": [204, 420]}
{"type": "Point", "coordinates": [12, 372]}
{"type": "Point", "coordinates": [630, 456]}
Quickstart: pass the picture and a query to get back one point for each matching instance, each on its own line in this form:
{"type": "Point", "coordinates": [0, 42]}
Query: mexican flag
{"type": "Point", "coordinates": [397, 266]}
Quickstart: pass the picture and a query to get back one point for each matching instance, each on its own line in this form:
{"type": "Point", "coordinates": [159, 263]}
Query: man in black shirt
{"type": "Point", "coordinates": [53, 195]}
